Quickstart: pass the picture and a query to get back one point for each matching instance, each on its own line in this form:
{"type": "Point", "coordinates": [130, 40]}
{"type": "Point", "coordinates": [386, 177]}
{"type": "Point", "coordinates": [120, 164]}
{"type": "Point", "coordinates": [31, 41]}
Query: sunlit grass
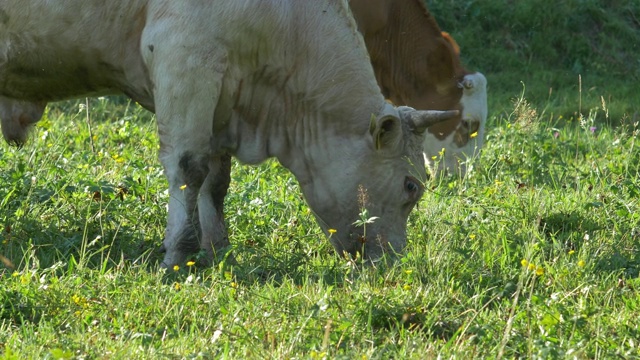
{"type": "Point", "coordinates": [534, 254]}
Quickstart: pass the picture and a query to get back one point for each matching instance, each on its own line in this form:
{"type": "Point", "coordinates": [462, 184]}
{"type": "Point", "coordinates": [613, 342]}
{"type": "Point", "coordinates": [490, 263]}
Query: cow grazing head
{"type": "Point", "coordinates": [17, 117]}
{"type": "Point", "coordinates": [362, 199]}
{"type": "Point", "coordinates": [418, 65]}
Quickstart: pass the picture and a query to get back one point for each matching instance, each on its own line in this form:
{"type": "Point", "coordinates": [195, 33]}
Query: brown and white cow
{"type": "Point", "coordinates": [418, 65]}
{"type": "Point", "coordinates": [252, 78]}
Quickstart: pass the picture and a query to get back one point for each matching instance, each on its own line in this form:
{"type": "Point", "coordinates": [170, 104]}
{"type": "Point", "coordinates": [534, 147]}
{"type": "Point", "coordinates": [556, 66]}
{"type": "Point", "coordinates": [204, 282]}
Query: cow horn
{"type": "Point", "coordinates": [422, 119]}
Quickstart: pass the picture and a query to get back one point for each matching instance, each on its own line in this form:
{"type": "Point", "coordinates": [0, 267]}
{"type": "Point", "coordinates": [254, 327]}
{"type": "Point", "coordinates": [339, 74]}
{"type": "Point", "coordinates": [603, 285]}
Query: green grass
{"type": "Point", "coordinates": [82, 227]}
{"type": "Point", "coordinates": [548, 46]}
{"type": "Point", "coordinates": [535, 254]}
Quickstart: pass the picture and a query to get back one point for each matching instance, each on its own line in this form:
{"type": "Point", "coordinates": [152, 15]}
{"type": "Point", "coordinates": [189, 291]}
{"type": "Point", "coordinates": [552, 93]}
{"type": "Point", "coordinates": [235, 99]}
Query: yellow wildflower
{"type": "Point", "coordinates": [539, 271]}
{"type": "Point", "coordinates": [176, 268]}
{"type": "Point", "coordinates": [318, 355]}
{"type": "Point", "coordinates": [531, 266]}
{"type": "Point", "coordinates": [571, 252]}
{"type": "Point", "coordinates": [581, 263]}
{"type": "Point", "coordinates": [183, 187]}
{"type": "Point", "coordinates": [191, 263]}
{"type": "Point", "coordinates": [332, 231]}
{"type": "Point", "coordinates": [407, 287]}
{"type": "Point", "coordinates": [473, 135]}
{"type": "Point", "coordinates": [524, 262]}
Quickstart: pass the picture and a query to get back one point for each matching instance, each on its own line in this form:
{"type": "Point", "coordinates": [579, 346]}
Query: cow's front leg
{"type": "Point", "coordinates": [187, 74]}
{"type": "Point", "coordinates": [211, 207]}
{"type": "Point", "coordinates": [185, 132]}
{"type": "Point", "coordinates": [186, 170]}
{"type": "Point", "coordinates": [185, 106]}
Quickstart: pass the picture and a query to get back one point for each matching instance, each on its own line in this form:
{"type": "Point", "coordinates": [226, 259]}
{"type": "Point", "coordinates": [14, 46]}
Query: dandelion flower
{"type": "Point", "coordinates": [581, 263]}
{"type": "Point", "coordinates": [177, 286]}
{"type": "Point", "coordinates": [407, 287]}
{"type": "Point", "coordinates": [571, 252]}
{"type": "Point", "coordinates": [191, 263]}
{"type": "Point", "coordinates": [524, 262]}
{"type": "Point", "coordinates": [176, 267]}
{"type": "Point", "coordinates": [183, 187]}
{"type": "Point", "coordinates": [473, 135]}
{"type": "Point", "coordinates": [332, 231]}
{"type": "Point", "coordinates": [472, 236]}
{"type": "Point", "coordinates": [531, 267]}
{"type": "Point", "coordinates": [434, 157]}
{"type": "Point", "coordinates": [539, 271]}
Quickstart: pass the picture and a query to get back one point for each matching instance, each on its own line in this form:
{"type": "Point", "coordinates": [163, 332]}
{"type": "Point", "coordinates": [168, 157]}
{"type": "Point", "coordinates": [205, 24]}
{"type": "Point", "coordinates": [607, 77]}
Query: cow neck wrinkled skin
{"type": "Point", "coordinates": [419, 66]}
{"type": "Point", "coordinates": [249, 78]}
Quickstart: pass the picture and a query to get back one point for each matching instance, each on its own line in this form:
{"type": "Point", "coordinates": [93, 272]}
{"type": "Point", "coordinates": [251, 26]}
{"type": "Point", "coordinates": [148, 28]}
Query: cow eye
{"type": "Point", "coordinates": [412, 186]}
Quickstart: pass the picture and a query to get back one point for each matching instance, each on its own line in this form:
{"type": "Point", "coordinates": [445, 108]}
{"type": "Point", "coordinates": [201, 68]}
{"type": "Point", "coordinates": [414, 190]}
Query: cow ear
{"type": "Point", "coordinates": [386, 132]}
{"type": "Point", "coordinates": [452, 42]}
{"type": "Point", "coordinates": [444, 62]}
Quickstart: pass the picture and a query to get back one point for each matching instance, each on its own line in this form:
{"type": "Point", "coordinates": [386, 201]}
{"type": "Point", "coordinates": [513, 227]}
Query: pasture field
{"type": "Point", "coordinates": [535, 254]}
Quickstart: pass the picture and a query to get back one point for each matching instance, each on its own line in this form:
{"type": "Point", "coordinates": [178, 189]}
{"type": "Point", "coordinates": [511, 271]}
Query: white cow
{"type": "Point", "coordinates": [251, 78]}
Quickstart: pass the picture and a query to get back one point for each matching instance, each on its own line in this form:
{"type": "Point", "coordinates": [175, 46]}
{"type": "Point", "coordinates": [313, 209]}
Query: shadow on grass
{"type": "Point", "coordinates": [569, 231]}
{"type": "Point", "coordinates": [41, 245]}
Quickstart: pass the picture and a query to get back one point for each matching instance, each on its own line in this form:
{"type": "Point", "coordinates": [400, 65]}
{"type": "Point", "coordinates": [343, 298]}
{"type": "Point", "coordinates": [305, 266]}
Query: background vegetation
{"type": "Point", "coordinates": [535, 254]}
{"type": "Point", "coordinates": [547, 46]}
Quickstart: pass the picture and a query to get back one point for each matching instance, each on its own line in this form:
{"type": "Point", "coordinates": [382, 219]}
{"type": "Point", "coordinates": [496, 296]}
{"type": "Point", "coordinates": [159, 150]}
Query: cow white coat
{"type": "Point", "coordinates": [250, 78]}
